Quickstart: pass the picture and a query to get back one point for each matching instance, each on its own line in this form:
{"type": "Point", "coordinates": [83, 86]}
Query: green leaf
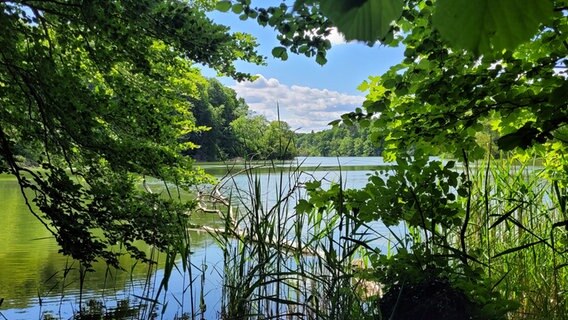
{"type": "Point", "coordinates": [237, 8]}
{"type": "Point", "coordinates": [321, 59]}
{"type": "Point", "coordinates": [334, 122]}
{"type": "Point", "coordinates": [389, 83]}
{"type": "Point", "coordinates": [523, 137]}
{"type": "Point", "coordinates": [505, 216]}
{"type": "Point", "coordinates": [515, 249]}
{"type": "Point", "coordinates": [303, 206]}
{"type": "Point", "coordinates": [483, 26]}
{"type": "Point", "coordinates": [560, 95]}
{"type": "Point", "coordinates": [223, 6]}
{"type": "Point", "coordinates": [375, 106]}
{"type": "Point", "coordinates": [280, 52]}
{"type": "Point", "coordinates": [312, 185]}
{"type": "Point", "coordinates": [362, 20]}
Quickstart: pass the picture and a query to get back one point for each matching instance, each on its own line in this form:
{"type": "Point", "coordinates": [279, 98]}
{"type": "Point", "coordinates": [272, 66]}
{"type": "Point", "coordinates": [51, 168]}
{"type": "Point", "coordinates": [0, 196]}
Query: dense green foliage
{"type": "Point", "coordinates": [479, 27]}
{"type": "Point", "coordinates": [442, 93]}
{"type": "Point", "coordinates": [338, 141]}
{"type": "Point", "coordinates": [475, 75]}
{"type": "Point", "coordinates": [215, 107]}
{"type": "Point", "coordinates": [97, 93]}
{"type": "Point", "coordinates": [261, 139]}
{"type": "Point", "coordinates": [233, 131]}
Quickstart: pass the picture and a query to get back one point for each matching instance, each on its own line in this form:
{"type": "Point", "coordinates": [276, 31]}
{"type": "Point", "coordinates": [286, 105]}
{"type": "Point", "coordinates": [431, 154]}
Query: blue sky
{"type": "Point", "coordinates": [309, 95]}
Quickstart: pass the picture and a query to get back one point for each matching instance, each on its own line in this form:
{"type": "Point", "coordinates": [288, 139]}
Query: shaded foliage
{"type": "Point", "coordinates": [96, 93]}
{"type": "Point", "coordinates": [430, 299]}
{"type": "Point", "coordinates": [215, 107]}
{"type": "Point", "coordinates": [232, 130]}
{"type": "Point", "coordinates": [476, 76]}
{"type": "Point", "coordinates": [479, 27]}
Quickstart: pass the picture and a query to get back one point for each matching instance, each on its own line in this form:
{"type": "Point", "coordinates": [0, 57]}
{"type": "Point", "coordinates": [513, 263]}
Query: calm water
{"type": "Point", "coordinates": [32, 271]}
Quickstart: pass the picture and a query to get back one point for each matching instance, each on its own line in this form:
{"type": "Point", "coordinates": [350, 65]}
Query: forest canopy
{"type": "Point", "coordinates": [97, 93]}
{"type": "Point", "coordinates": [233, 131]}
{"type": "Point", "coordinates": [340, 140]}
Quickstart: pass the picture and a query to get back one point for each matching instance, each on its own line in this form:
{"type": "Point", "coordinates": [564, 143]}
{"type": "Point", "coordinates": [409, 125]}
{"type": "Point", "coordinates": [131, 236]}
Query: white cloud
{"type": "Point", "coordinates": [336, 38]}
{"type": "Point", "coordinates": [561, 68]}
{"type": "Point", "coordinates": [304, 108]}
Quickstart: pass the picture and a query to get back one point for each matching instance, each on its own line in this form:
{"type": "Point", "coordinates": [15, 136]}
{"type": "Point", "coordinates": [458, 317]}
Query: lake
{"type": "Point", "coordinates": [36, 280]}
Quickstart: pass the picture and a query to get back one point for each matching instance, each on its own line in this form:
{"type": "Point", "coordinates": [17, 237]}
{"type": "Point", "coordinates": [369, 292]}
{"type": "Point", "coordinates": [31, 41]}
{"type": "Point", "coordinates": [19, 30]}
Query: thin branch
{"type": "Point", "coordinates": [9, 157]}
{"type": "Point", "coordinates": [467, 210]}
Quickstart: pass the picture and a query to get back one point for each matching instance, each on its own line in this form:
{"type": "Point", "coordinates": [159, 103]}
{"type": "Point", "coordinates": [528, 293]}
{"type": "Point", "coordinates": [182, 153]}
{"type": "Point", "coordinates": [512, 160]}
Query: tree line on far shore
{"type": "Point", "coordinates": [231, 130]}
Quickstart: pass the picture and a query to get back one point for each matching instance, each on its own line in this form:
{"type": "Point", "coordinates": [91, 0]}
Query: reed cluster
{"type": "Point", "coordinates": [289, 252]}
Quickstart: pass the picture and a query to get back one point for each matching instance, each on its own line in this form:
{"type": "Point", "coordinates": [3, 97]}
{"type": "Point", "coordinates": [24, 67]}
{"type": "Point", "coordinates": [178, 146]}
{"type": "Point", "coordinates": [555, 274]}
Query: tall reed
{"type": "Point", "coordinates": [517, 217]}
{"type": "Point", "coordinates": [282, 263]}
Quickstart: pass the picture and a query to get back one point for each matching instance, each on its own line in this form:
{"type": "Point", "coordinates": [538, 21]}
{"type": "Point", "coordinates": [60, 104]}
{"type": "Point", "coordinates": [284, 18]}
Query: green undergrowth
{"type": "Point", "coordinates": [491, 234]}
{"type": "Point", "coordinates": [484, 240]}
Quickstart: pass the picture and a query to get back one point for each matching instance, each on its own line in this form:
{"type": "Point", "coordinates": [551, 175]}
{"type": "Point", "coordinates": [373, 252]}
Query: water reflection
{"type": "Point", "coordinates": [35, 278]}
{"type": "Point", "coordinates": [34, 273]}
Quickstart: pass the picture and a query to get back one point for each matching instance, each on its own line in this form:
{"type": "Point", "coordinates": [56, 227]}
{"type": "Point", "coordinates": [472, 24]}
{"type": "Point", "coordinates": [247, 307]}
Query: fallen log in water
{"type": "Point", "coordinates": [284, 244]}
{"type": "Point", "coordinates": [216, 198]}
{"type": "Point", "coordinates": [365, 289]}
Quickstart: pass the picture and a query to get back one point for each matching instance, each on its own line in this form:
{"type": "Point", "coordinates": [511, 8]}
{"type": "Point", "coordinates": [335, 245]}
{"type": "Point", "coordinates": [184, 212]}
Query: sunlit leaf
{"type": "Point", "coordinates": [363, 20]}
{"type": "Point", "coordinates": [223, 6]}
{"type": "Point", "coordinates": [486, 25]}
{"type": "Point", "coordinates": [237, 8]}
